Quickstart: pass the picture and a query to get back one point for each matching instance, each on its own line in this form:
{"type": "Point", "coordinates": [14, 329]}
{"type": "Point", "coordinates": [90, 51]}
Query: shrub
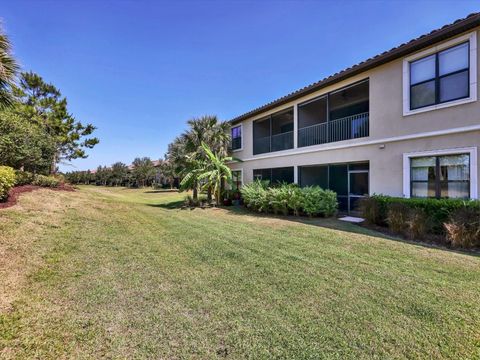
{"type": "Point", "coordinates": [45, 181]}
{"type": "Point", "coordinates": [278, 199]}
{"type": "Point", "coordinates": [374, 209]}
{"type": "Point", "coordinates": [7, 181]}
{"type": "Point", "coordinates": [295, 199]}
{"type": "Point", "coordinates": [23, 177]}
{"type": "Point", "coordinates": [437, 210]}
{"type": "Point", "coordinates": [255, 195]}
{"type": "Point", "coordinates": [419, 224]}
{"type": "Point", "coordinates": [200, 201]}
{"type": "Point", "coordinates": [397, 217]}
{"type": "Point", "coordinates": [317, 201]}
{"type": "Point", "coordinates": [463, 227]}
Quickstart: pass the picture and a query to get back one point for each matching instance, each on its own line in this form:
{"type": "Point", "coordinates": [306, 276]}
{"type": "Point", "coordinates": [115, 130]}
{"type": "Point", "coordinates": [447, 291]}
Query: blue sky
{"type": "Point", "coordinates": [138, 70]}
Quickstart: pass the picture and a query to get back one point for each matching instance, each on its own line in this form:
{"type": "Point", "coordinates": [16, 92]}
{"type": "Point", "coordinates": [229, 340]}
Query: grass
{"type": "Point", "coordinates": [122, 273]}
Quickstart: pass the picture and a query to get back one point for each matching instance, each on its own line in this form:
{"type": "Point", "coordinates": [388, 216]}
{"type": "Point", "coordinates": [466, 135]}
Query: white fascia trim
{"type": "Point", "coordinates": [472, 151]}
{"type": "Point", "coordinates": [241, 132]}
{"type": "Point", "coordinates": [472, 39]}
{"type": "Point", "coordinates": [318, 148]}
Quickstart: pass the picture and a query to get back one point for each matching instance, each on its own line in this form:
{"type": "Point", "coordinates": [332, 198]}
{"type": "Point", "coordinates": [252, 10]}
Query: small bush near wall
{"type": "Point", "coordinates": [7, 181]}
{"type": "Point", "coordinates": [289, 198]}
{"type": "Point", "coordinates": [451, 219]}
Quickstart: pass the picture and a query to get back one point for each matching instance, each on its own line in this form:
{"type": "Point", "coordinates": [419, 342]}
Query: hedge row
{"type": "Point", "coordinates": [289, 198]}
{"type": "Point", "coordinates": [458, 221]}
{"type": "Point", "coordinates": [10, 178]}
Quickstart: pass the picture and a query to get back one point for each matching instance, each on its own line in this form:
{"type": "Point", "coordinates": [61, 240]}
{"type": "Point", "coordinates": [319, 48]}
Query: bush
{"type": "Point", "coordinates": [7, 181]}
{"type": "Point", "coordinates": [295, 199]}
{"type": "Point", "coordinates": [255, 196]}
{"type": "Point", "coordinates": [317, 201]}
{"type": "Point", "coordinates": [23, 177]}
{"type": "Point", "coordinates": [278, 199]}
{"type": "Point", "coordinates": [375, 209]}
{"type": "Point", "coordinates": [200, 201]}
{"type": "Point", "coordinates": [418, 224]}
{"type": "Point", "coordinates": [397, 217]}
{"type": "Point", "coordinates": [45, 181]}
{"type": "Point", "coordinates": [463, 227]}
{"type": "Point", "coordinates": [281, 199]}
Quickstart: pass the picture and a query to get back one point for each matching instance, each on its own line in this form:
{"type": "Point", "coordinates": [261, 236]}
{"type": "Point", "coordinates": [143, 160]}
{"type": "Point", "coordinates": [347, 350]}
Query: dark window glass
{"type": "Point", "coordinates": [441, 77]}
{"type": "Point", "coordinates": [358, 166]}
{"type": "Point", "coordinates": [314, 175]}
{"type": "Point", "coordinates": [359, 183]}
{"type": "Point", "coordinates": [236, 137]}
{"type": "Point", "coordinates": [280, 175]}
{"type": "Point", "coordinates": [454, 86]}
{"type": "Point", "coordinates": [236, 179]}
{"type": "Point", "coordinates": [422, 94]}
{"type": "Point", "coordinates": [262, 174]}
{"type": "Point", "coordinates": [339, 179]}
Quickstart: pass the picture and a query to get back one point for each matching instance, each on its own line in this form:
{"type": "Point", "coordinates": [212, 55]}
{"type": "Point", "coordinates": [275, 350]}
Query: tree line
{"type": "Point", "coordinates": [37, 129]}
{"type": "Point", "coordinates": [142, 172]}
{"type": "Point", "coordinates": [196, 160]}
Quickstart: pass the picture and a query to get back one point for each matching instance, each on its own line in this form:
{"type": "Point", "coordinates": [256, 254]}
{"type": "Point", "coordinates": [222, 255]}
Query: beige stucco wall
{"type": "Point", "coordinates": [387, 122]}
{"type": "Point", "coordinates": [386, 165]}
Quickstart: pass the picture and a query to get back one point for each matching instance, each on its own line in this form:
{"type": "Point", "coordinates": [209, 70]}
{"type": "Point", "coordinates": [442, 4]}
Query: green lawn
{"type": "Point", "coordinates": [122, 273]}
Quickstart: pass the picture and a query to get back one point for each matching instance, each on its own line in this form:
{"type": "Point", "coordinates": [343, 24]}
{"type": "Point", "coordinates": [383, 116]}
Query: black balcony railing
{"type": "Point", "coordinates": [346, 128]}
{"type": "Point", "coordinates": [282, 141]}
{"type": "Point", "coordinates": [236, 143]}
{"type": "Point", "coordinates": [276, 142]}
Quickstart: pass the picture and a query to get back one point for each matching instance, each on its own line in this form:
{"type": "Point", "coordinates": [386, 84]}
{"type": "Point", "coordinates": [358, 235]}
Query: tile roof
{"type": "Point", "coordinates": [413, 45]}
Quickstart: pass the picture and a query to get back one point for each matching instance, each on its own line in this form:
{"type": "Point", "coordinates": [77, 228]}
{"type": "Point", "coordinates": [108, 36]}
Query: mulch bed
{"type": "Point", "coordinates": [15, 192]}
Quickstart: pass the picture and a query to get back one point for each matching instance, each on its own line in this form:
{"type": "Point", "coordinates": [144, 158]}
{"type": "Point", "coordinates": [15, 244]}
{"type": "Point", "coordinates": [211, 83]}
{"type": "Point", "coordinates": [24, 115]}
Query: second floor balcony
{"type": "Point", "coordinates": [350, 127]}
{"type": "Point", "coordinates": [336, 116]}
{"type": "Point", "coordinates": [273, 133]}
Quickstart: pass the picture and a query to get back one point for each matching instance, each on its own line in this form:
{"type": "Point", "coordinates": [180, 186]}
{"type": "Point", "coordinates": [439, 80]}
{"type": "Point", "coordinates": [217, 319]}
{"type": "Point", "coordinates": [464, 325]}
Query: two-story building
{"type": "Point", "coordinates": [403, 123]}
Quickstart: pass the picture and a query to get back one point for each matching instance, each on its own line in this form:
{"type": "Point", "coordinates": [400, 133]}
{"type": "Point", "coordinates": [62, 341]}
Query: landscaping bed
{"type": "Point", "coordinates": [15, 192]}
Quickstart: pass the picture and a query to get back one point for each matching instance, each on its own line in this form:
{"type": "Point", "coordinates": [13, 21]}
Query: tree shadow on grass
{"type": "Point", "coordinates": [328, 223]}
{"type": "Point", "coordinates": [169, 205]}
{"type": "Point", "coordinates": [161, 191]}
{"type": "Point", "coordinates": [336, 224]}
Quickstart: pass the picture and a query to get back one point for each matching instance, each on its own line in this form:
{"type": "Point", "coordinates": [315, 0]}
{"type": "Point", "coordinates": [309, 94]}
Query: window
{"type": "Point", "coordinates": [275, 175]}
{"type": "Point", "coordinates": [445, 176]}
{"type": "Point", "coordinates": [237, 180]}
{"type": "Point", "coordinates": [237, 137]}
{"type": "Point", "coordinates": [441, 77]}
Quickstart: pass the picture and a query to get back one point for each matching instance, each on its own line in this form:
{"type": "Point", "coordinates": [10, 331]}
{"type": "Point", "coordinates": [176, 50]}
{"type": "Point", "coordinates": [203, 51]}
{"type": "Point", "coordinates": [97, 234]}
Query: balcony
{"type": "Point", "coordinates": [337, 116]}
{"type": "Point", "coordinates": [273, 133]}
{"type": "Point", "coordinates": [350, 127]}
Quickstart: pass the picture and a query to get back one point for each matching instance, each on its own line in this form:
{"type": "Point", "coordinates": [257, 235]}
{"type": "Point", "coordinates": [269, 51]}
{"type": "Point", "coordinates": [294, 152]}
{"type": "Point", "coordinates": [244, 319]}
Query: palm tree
{"type": "Point", "coordinates": [210, 131]}
{"type": "Point", "coordinates": [8, 70]}
{"type": "Point", "coordinates": [215, 172]}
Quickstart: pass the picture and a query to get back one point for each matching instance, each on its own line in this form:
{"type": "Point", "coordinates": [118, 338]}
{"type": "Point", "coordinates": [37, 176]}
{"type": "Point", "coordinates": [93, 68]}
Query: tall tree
{"type": "Point", "coordinates": [119, 173]}
{"type": "Point", "coordinates": [44, 105]}
{"type": "Point", "coordinates": [214, 134]}
{"type": "Point", "coordinates": [143, 170]}
{"type": "Point", "coordinates": [215, 172]}
{"type": "Point", "coordinates": [24, 145]}
{"type": "Point", "coordinates": [8, 70]}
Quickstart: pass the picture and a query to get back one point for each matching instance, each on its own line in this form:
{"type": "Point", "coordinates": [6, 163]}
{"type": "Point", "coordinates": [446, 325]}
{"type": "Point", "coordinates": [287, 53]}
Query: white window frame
{"type": "Point", "coordinates": [241, 132]}
{"type": "Point", "coordinates": [241, 174]}
{"type": "Point", "coordinates": [472, 151]}
{"type": "Point", "coordinates": [472, 39]}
